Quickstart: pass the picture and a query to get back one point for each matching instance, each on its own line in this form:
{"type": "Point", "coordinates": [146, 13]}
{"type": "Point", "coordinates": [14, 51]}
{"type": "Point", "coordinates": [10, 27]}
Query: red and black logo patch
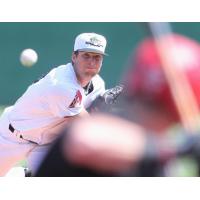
{"type": "Point", "coordinates": [77, 100]}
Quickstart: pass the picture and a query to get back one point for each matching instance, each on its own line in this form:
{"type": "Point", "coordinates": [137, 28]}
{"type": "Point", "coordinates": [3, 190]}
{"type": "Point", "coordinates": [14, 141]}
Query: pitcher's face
{"type": "Point", "coordinates": [87, 64]}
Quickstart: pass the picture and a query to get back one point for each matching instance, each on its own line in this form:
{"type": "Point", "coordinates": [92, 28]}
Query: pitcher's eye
{"type": "Point", "coordinates": [98, 58]}
{"type": "Point", "coordinates": [86, 56]}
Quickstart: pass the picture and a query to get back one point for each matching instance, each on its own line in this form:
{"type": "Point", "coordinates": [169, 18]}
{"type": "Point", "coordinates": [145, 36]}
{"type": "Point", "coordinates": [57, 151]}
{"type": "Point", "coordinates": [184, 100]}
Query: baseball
{"type": "Point", "coordinates": [28, 57]}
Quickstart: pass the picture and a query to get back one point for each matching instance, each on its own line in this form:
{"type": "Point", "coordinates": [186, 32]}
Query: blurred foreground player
{"type": "Point", "coordinates": [149, 101]}
{"type": "Point", "coordinates": [107, 145]}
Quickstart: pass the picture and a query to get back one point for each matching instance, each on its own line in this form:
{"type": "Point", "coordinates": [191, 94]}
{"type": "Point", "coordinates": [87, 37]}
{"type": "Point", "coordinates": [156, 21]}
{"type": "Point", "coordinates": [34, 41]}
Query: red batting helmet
{"type": "Point", "coordinates": [146, 78]}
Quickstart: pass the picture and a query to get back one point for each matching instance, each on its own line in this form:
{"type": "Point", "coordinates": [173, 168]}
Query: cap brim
{"type": "Point", "coordinates": [93, 51]}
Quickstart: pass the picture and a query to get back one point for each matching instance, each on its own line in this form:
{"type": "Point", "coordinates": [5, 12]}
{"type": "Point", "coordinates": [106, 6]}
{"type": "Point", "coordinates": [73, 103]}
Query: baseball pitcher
{"type": "Point", "coordinates": [34, 121]}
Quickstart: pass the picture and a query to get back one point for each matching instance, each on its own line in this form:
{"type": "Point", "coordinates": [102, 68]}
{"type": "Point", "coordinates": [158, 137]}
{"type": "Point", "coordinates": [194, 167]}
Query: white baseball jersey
{"type": "Point", "coordinates": [43, 106]}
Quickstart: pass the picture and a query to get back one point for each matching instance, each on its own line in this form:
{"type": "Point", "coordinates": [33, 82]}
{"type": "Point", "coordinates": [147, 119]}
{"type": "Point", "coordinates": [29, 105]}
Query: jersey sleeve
{"type": "Point", "coordinates": [64, 102]}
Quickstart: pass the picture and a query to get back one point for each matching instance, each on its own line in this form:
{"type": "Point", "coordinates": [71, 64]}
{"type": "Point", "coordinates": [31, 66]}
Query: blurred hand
{"type": "Point", "coordinates": [105, 143]}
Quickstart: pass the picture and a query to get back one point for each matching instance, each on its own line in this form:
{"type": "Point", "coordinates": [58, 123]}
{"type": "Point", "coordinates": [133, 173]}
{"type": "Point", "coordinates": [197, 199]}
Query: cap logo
{"type": "Point", "coordinates": [94, 42]}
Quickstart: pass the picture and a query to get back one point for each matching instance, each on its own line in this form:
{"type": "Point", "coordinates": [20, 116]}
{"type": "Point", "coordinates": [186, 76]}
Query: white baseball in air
{"type": "Point", "coordinates": [28, 57]}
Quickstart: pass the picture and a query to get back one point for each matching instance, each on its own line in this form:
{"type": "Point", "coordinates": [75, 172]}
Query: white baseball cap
{"type": "Point", "coordinates": [90, 42]}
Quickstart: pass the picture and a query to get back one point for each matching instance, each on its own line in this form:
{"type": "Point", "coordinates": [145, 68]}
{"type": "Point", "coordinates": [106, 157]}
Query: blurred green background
{"type": "Point", "coordinates": [54, 44]}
